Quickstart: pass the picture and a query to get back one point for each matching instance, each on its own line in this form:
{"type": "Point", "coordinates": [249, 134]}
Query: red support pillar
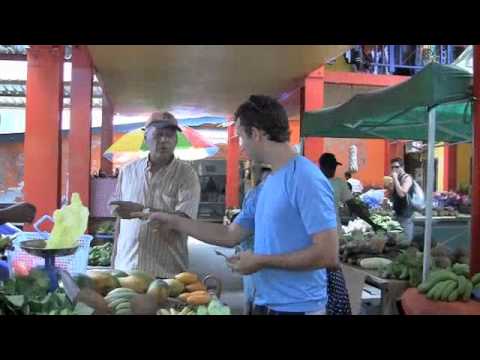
{"type": "Point", "coordinates": [312, 98]}
{"type": "Point", "coordinates": [475, 221]}
{"type": "Point", "coordinates": [80, 137]}
{"type": "Point", "coordinates": [232, 196]}
{"type": "Point", "coordinates": [450, 168]}
{"type": "Point", "coordinates": [386, 164]}
{"type": "Point", "coordinates": [42, 147]}
{"type": "Point", "coordinates": [107, 134]}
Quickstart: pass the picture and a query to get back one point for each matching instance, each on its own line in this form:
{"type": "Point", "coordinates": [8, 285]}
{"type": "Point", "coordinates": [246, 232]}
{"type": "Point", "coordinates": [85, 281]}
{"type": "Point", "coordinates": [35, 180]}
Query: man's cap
{"type": "Point", "coordinates": [328, 160]}
{"type": "Point", "coordinates": [162, 120]}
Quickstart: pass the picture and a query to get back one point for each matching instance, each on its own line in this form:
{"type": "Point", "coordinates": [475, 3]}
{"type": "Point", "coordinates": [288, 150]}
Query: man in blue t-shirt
{"type": "Point", "coordinates": [293, 219]}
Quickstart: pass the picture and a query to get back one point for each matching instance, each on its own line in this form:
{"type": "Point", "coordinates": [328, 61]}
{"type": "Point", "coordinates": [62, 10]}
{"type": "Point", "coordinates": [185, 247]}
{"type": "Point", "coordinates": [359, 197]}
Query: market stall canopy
{"type": "Point", "coordinates": [401, 111]}
{"type": "Point", "coordinates": [200, 78]}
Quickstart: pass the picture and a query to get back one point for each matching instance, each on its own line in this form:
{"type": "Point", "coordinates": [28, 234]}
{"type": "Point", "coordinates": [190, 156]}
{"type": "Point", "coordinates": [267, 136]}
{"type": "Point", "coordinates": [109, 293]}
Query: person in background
{"type": "Point", "coordinates": [401, 187]}
{"type": "Point", "coordinates": [158, 182]}
{"type": "Point", "coordinates": [293, 219]}
{"type": "Point", "coordinates": [338, 299]}
{"type": "Point", "coordinates": [343, 196]}
{"type": "Point", "coordinates": [355, 184]}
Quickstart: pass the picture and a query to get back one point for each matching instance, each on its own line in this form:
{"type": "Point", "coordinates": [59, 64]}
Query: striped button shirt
{"type": "Point", "coordinates": [140, 245]}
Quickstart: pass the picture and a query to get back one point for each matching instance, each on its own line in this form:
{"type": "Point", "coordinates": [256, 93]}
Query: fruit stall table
{"type": "Point", "coordinates": [391, 289]}
{"type": "Point", "coordinates": [452, 230]}
{"type": "Point", "coordinates": [415, 303]}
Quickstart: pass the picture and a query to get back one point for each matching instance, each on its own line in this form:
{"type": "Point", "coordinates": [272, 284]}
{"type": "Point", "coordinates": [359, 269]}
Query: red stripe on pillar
{"type": "Point", "coordinates": [232, 198]}
{"type": "Point", "coordinates": [452, 172]}
{"type": "Point", "coordinates": [80, 136]}
{"type": "Point", "coordinates": [312, 98]}
{"type": "Point", "coordinates": [475, 233]}
{"type": "Point", "coordinates": [42, 147]}
{"type": "Point", "coordinates": [107, 134]}
{"type": "Point", "coordinates": [386, 164]}
{"type": "Point", "coordinates": [446, 168]}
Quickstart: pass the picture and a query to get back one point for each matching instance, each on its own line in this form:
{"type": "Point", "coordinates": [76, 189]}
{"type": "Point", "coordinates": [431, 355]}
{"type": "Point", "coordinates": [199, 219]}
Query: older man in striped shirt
{"type": "Point", "coordinates": [159, 182]}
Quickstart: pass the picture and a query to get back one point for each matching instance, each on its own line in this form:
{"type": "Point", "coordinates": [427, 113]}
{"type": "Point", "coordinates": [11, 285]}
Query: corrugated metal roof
{"type": "Point", "coordinates": [18, 88]}
{"type": "Point", "coordinates": [13, 49]}
{"type": "Point", "coordinates": [22, 50]}
{"type": "Point", "coordinates": [20, 102]}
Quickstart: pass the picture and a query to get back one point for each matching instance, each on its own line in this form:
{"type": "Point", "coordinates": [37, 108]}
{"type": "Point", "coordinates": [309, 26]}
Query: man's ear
{"type": "Point", "coordinates": [257, 134]}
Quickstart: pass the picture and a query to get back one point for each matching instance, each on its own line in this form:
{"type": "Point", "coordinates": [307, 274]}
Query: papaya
{"type": "Point", "coordinates": [187, 278]}
{"type": "Point", "coordinates": [103, 281]}
{"type": "Point", "coordinates": [199, 292]}
{"type": "Point", "coordinates": [198, 299]}
{"type": "Point", "coordinates": [184, 296]}
{"type": "Point", "coordinates": [175, 287]}
{"type": "Point", "coordinates": [118, 273]}
{"type": "Point", "coordinates": [137, 283]}
{"type": "Point", "coordinates": [195, 286]}
{"type": "Point", "coordinates": [159, 289]}
{"type": "Point", "coordinates": [143, 275]}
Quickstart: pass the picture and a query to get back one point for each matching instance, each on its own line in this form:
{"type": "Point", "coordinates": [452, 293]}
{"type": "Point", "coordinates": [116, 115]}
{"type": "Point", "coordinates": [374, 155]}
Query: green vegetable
{"type": "Point", "coordinates": [476, 279]}
{"type": "Point", "coordinates": [462, 285]}
{"type": "Point", "coordinates": [453, 295]}
{"type": "Point", "coordinates": [461, 269]}
{"type": "Point", "coordinates": [449, 288]}
{"type": "Point", "coordinates": [468, 291]}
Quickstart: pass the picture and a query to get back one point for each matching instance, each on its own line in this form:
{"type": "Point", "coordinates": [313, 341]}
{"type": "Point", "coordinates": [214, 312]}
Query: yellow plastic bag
{"type": "Point", "coordinates": [70, 224]}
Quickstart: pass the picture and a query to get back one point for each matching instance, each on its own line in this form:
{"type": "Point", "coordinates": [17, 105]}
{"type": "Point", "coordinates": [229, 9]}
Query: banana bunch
{"type": "Point", "coordinates": [185, 311]}
{"type": "Point", "coordinates": [118, 301]}
{"type": "Point", "coordinates": [450, 284]}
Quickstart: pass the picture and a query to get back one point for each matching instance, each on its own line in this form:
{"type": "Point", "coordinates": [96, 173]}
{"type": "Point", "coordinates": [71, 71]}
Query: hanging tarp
{"type": "Point", "coordinates": [400, 111]}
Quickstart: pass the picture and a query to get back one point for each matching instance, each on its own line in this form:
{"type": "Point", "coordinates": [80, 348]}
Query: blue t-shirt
{"type": "Point", "coordinates": [295, 203]}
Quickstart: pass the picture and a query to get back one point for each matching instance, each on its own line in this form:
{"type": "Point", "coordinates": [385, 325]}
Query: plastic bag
{"type": "Point", "coordinates": [373, 198]}
{"type": "Point", "coordinates": [71, 221]}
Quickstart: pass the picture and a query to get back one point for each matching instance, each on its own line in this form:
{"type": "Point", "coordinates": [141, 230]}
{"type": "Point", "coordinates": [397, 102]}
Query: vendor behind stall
{"type": "Point", "coordinates": [159, 182]}
{"type": "Point", "coordinates": [328, 164]}
{"type": "Point", "coordinates": [355, 185]}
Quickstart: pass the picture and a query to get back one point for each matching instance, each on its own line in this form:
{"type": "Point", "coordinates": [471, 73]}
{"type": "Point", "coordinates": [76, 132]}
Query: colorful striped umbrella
{"type": "Point", "coordinates": [191, 146]}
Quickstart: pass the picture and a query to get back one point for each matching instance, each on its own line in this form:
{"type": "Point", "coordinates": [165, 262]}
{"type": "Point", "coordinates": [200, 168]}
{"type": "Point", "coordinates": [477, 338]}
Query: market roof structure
{"type": "Point", "coordinates": [206, 79]}
{"type": "Point", "coordinates": [12, 94]}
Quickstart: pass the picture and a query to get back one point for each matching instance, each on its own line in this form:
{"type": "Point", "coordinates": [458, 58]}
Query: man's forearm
{"type": "Point", "coordinates": [302, 260]}
{"type": "Point", "coordinates": [214, 234]}
{"type": "Point", "coordinates": [398, 188]}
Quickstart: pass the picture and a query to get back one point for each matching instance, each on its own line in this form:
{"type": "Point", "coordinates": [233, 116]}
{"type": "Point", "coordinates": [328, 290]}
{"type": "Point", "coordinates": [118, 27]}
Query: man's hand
{"type": "Point", "coordinates": [124, 209]}
{"type": "Point", "coordinates": [245, 263]}
{"type": "Point", "coordinates": [19, 213]}
{"type": "Point", "coordinates": [394, 175]}
{"type": "Point", "coordinates": [159, 220]}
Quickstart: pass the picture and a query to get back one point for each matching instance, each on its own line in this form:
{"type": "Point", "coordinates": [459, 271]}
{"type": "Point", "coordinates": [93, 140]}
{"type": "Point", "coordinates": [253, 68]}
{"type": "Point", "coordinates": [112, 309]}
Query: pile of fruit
{"type": "Point", "coordinates": [100, 255]}
{"type": "Point", "coordinates": [137, 293]}
{"type": "Point", "coordinates": [408, 265]}
{"type": "Point", "coordinates": [452, 284]}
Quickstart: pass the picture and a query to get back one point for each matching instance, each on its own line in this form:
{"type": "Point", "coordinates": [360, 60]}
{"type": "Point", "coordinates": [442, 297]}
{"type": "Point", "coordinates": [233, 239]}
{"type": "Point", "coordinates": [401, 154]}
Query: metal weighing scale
{"type": "Point", "coordinates": [38, 248]}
